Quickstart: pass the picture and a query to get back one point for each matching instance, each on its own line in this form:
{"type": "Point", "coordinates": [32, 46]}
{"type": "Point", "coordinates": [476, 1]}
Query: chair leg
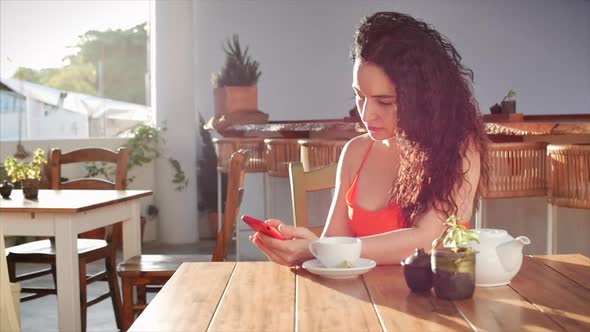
{"type": "Point", "coordinates": [11, 269]}
{"type": "Point", "coordinates": [114, 290]}
{"type": "Point", "coordinates": [83, 296]}
{"type": "Point", "coordinates": [127, 310]}
{"type": "Point", "coordinates": [551, 229]}
{"type": "Point", "coordinates": [141, 294]}
{"type": "Point", "coordinates": [54, 275]}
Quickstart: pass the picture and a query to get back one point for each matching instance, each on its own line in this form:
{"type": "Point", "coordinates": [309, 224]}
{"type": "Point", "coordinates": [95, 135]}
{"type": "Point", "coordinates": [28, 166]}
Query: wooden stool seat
{"type": "Point", "coordinates": [226, 146]}
{"type": "Point", "coordinates": [568, 185]}
{"type": "Point", "coordinates": [279, 153]}
{"type": "Point", "coordinates": [318, 153]}
{"type": "Point", "coordinates": [516, 169]}
{"type": "Point", "coordinates": [47, 248]}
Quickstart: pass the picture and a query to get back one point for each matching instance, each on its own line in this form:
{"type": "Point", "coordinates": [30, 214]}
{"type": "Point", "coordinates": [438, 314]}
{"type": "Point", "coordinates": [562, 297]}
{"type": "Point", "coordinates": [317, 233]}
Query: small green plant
{"type": "Point", "coordinates": [456, 236]}
{"type": "Point", "coordinates": [145, 145]}
{"type": "Point", "coordinates": [239, 68]}
{"type": "Point", "coordinates": [18, 171]}
{"type": "Point", "coordinates": [511, 95]}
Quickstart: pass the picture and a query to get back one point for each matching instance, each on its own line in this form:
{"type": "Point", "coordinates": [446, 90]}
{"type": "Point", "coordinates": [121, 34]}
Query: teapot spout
{"type": "Point", "coordinates": [510, 253]}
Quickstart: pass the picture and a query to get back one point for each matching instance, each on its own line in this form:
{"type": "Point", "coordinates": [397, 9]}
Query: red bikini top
{"type": "Point", "coordinates": [364, 222]}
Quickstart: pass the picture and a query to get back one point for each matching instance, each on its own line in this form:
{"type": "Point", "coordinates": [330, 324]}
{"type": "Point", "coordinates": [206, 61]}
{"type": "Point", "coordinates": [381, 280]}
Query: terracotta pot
{"type": "Point", "coordinates": [453, 273]}
{"type": "Point", "coordinates": [235, 99]}
{"type": "Point", "coordinates": [509, 106]}
{"type": "Point", "coordinates": [30, 188]}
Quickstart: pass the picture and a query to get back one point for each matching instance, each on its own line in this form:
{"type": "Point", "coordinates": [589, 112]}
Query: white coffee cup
{"type": "Point", "coordinates": [336, 251]}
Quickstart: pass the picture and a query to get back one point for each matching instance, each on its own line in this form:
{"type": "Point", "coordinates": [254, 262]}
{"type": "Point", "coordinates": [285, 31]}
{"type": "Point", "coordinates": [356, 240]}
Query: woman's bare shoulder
{"type": "Point", "coordinates": [353, 153]}
{"type": "Point", "coordinates": [357, 146]}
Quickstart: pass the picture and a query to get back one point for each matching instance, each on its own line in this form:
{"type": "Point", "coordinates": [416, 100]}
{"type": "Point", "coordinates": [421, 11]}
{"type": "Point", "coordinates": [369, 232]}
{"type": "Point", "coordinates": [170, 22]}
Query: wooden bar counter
{"type": "Point", "coordinates": [575, 126]}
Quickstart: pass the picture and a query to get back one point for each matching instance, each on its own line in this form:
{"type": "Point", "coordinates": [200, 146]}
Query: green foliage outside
{"type": "Point", "coordinates": [123, 54]}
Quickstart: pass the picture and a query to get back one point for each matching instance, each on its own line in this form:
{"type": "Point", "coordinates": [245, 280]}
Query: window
{"type": "Point", "coordinates": [73, 69]}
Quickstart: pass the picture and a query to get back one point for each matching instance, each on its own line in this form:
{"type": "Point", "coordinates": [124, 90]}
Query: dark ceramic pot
{"type": "Point", "coordinates": [453, 273]}
{"type": "Point", "coordinates": [30, 188]}
{"type": "Point", "coordinates": [6, 189]}
{"type": "Point", "coordinates": [508, 106]}
{"type": "Point", "coordinates": [417, 271]}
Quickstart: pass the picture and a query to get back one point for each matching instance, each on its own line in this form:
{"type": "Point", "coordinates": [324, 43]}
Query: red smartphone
{"type": "Point", "coordinates": [260, 226]}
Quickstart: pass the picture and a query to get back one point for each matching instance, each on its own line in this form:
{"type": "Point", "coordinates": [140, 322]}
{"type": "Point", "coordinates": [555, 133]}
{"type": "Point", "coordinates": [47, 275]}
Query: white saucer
{"type": "Point", "coordinates": [361, 266]}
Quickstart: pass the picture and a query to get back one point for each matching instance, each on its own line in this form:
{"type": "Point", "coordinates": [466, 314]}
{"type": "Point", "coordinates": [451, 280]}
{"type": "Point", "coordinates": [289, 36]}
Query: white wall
{"type": "Point", "coordinates": [172, 65]}
{"type": "Point", "coordinates": [539, 47]}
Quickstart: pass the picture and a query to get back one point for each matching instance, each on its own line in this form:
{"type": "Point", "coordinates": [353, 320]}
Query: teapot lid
{"type": "Point", "coordinates": [418, 259]}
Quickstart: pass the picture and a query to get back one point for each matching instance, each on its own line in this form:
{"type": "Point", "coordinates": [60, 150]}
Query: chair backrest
{"type": "Point", "coordinates": [235, 192]}
{"type": "Point", "coordinates": [569, 179]}
{"type": "Point", "coordinates": [516, 170]}
{"type": "Point", "coordinates": [119, 159]}
{"type": "Point", "coordinates": [303, 182]}
{"type": "Point", "coordinates": [112, 234]}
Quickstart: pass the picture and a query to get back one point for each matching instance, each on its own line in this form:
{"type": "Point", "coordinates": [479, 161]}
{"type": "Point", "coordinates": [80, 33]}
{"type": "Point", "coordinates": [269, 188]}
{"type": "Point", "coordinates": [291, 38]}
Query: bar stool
{"type": "Point", "coordinates": [569, 184]}
{"type": "Point", "coordinates": [319, 153]}
{"type": "Point", "coordinates": [224, 148]}
{"type": "Point", "coordinates": [279, 153]}
{"type": "Point", "coordinates": [516, 170]}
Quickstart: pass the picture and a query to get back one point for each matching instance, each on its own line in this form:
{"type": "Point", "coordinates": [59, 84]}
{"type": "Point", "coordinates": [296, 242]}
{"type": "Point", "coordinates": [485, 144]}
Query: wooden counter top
{"type": "Point", "coordinates": [531, 125]}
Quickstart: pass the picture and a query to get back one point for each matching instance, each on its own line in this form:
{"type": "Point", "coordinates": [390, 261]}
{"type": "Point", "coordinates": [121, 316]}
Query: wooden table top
{"type": "Point", "coordinates": [550, 293]}
{"type": "Point", "coordinates": [67, 201]}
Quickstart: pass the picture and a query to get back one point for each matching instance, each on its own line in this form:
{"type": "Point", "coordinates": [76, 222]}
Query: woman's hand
{"type": "Point", "coordinates": [292, 251]}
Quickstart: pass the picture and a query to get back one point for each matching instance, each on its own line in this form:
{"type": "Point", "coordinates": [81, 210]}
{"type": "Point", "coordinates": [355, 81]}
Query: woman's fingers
{"type": "Point", "coordinates": [266, 251]}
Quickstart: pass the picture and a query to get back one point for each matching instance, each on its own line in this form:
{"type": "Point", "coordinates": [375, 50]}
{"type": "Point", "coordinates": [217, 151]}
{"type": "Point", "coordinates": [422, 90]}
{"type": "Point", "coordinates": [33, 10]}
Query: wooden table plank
{"type": "Point", "coordinates": [402, 310]}
{"type": "Point", "coordinates": [563, 300]}
{"type": "Point", "coordinates": [260, 297]}
{"type": "Point", "coordinates": [189, 299]}
{"type": "Point", "coordinates": [575, 267]}
{"type": "Point", "coordinates": [334, 304]}
{"type": "Point", "coordinates": [502, 309]}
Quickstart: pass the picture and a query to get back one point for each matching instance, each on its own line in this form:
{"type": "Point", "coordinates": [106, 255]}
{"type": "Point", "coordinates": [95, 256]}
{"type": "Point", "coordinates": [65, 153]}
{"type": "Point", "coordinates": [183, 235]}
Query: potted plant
{"type": "Point", "coordinates": [29, 175]}
{"type": "Point", "coordinates": [453, 261]}
{"type": "Point", "coordinates": [207, 178]}
{"type": "Point", "coordinates": [235, 85]}
{"type": "Point", "coordinates": [509, 102]}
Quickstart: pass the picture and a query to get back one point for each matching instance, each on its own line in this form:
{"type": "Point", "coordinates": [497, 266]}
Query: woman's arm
{"type": "Point", "coordinates": [393, 247]}
{"type": "Point", "coordinates": [295, 251]}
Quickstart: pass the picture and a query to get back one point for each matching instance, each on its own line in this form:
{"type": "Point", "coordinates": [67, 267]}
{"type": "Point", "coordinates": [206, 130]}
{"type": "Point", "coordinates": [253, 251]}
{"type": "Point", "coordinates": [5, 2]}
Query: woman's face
{"type": "Point", "coordinates": [376, 100]}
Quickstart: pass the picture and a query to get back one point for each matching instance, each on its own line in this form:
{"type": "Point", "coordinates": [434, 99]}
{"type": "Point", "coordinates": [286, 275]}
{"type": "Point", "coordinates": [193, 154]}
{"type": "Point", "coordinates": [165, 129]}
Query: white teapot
{"type": "Point", "coordinates": [499, 257]}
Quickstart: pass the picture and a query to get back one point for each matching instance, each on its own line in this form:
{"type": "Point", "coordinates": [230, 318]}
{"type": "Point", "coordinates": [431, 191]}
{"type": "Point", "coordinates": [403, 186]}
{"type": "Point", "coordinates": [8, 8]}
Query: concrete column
{"type": "Point", "coordinates": [172, 95]}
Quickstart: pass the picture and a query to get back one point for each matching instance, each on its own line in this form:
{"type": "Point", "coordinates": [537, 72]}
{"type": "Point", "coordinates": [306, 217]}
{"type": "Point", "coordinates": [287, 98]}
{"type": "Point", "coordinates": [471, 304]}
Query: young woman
{"type": "Point", "coordinates": [422, 157]}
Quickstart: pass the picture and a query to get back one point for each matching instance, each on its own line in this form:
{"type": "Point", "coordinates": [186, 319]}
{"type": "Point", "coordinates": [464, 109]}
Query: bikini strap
{"type": "Point", "coordinates": [365, 158]}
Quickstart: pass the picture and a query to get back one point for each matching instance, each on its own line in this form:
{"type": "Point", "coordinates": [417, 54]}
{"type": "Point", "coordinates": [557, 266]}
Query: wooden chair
{"type": "Point", "coordinates": [318, 153]}
{"type": "Point", "coordinates": [141, 272]}
{"type": "Point", "coordinates": [516, 170]}
{"type": "Point", "coordinates": [569, 184]}
{"type": "Point", "coordinates": [89, 250]}
{"type": "Point", "coordinates": [303, 182]}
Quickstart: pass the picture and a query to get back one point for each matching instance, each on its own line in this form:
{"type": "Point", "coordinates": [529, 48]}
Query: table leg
{"type": "Point", "coordinates": [132, 232]}
{"type": "Point", "coordinates": [68, 284]}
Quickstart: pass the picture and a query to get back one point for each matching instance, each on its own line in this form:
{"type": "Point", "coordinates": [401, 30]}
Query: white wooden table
{"type": "Point", "coordinates": [64, 214]}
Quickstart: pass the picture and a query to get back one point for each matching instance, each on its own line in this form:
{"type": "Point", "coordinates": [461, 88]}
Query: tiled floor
{"type": "Point", "coordinates": [41, 314]}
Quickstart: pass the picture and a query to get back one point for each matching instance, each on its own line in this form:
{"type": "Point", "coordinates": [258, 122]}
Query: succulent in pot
{"type": "Point", "coordinates": [453, 261]}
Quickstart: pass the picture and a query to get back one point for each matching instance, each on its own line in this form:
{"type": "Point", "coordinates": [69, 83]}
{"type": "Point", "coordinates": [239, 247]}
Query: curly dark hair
{"type": "Point", "coordinates": [438, 118]}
